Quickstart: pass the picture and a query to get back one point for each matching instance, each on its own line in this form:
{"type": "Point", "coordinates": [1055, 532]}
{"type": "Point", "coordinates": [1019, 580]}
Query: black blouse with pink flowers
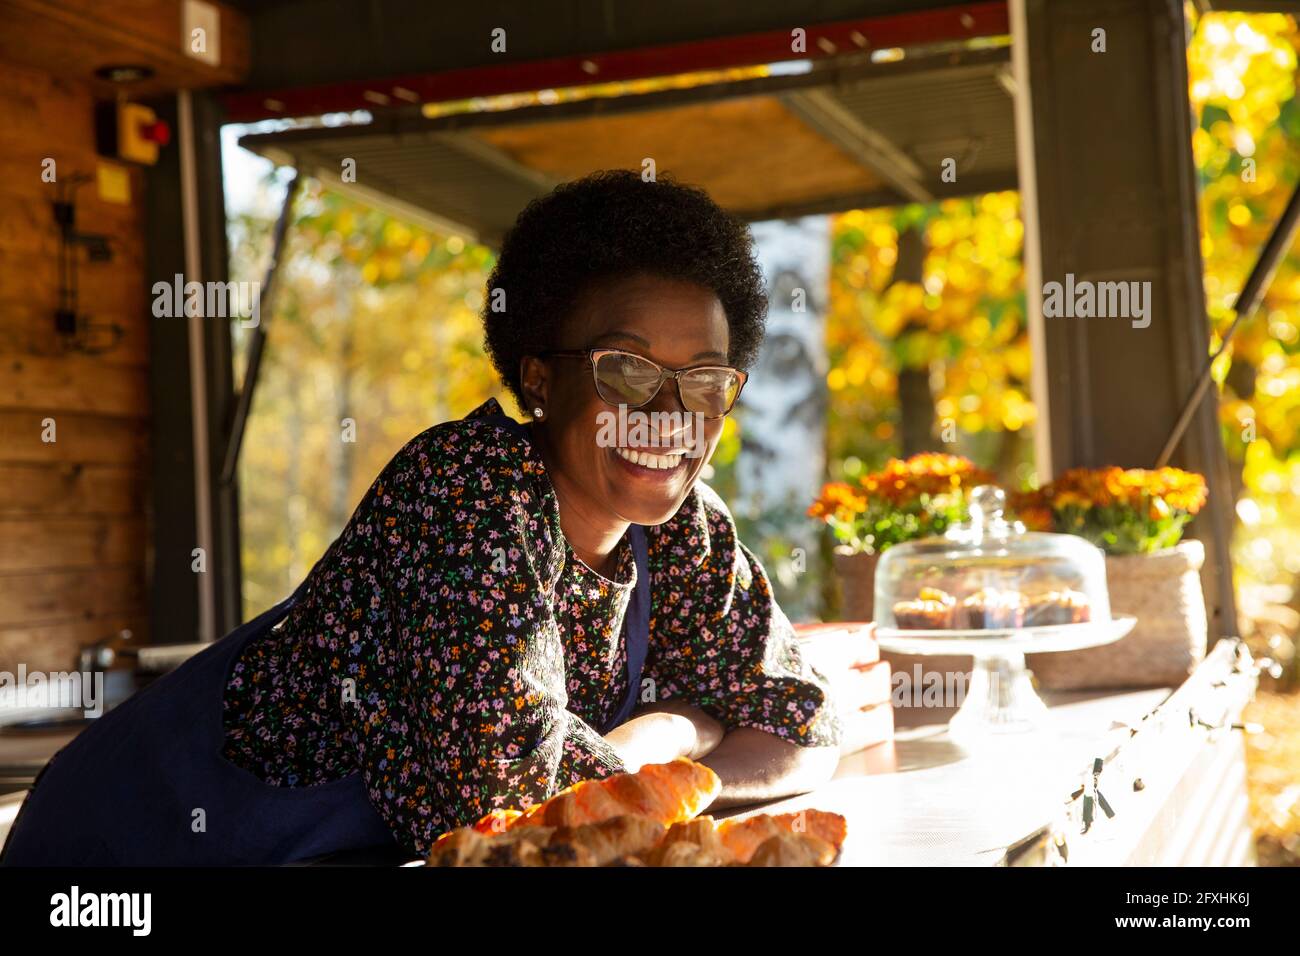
{"type": "Point", "coordinates": [452, 648]}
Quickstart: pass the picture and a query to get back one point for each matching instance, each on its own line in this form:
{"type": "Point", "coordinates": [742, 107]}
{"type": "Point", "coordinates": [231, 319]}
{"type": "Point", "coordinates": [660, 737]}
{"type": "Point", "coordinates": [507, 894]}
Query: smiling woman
{"type": "Point", "coordinates": [512, 608]}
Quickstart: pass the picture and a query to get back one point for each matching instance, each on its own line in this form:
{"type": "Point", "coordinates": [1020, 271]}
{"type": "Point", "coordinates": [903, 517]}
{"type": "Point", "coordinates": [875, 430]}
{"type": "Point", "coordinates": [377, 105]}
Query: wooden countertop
{"type": "Point", "coordinates": [922, 800]}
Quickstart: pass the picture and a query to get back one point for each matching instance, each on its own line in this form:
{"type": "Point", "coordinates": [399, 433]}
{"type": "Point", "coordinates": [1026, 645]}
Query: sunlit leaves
{"type": "Point", "coordinates": [964, 321]}
{"type": "Point", "coordinates": [1242, 83]}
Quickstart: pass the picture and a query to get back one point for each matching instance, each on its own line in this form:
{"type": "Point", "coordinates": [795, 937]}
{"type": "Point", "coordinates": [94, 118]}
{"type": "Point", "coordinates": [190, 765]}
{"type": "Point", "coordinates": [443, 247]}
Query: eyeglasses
{"type": "Point", "coordinates": [625, 378]}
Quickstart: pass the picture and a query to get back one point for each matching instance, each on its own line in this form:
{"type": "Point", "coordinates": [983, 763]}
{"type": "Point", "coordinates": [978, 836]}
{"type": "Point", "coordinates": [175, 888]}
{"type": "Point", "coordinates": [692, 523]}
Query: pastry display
{"type": "Point", "coordinates": [931, 611]}
{"type": "Point", "coordinates": [988, 577]}
{"type": "Point", "coordinates": [990, 608]}
{"type": "Point", "coordinates": [1057, 607]}
{"type": "Point", "coordinates": [647, 818]}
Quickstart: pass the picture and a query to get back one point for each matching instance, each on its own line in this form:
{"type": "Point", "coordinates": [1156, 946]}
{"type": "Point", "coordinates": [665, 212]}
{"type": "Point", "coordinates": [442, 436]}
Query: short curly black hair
{"type": "Point", "coordinates": [610, 224]}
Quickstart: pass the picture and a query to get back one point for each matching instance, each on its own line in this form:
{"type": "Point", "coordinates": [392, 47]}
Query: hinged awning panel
{"type": "Point", "coordinates": [855, 135]}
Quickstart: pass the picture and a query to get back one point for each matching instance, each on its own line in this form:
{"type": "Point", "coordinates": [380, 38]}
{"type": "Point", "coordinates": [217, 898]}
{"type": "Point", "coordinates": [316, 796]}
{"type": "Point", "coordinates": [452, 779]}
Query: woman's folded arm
{"type": "Point", "coordinates": [721, 642]}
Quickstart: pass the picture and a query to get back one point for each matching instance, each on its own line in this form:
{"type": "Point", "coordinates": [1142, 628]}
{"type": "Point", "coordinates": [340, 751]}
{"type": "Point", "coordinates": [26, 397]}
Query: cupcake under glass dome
{"type": "Point", "coordinates": [991, 590]}
{"type": "Point", "coordinates": [990, 577]}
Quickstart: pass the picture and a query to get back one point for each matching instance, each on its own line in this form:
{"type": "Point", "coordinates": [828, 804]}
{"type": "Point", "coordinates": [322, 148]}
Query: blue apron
{"type": "Point", "coordinates": [146, 784]}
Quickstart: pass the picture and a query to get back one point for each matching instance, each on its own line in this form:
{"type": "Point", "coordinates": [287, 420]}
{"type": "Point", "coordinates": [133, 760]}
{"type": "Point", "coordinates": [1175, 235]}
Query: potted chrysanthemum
{"type": "Point", "coordinates": [907, 499]}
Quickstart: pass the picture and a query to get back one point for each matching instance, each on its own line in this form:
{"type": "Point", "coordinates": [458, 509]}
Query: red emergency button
{"type": "Point", "coordinates": [156, 132]}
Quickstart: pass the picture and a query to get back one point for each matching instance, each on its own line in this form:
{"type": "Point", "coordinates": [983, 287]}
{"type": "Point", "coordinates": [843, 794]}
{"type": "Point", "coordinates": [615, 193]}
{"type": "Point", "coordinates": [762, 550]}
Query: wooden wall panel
{"type": "Point", "coordinates": [104, 288]}
{"type": "Point", "coordinates": [73, 512]}
{"type": "Point", "coordinates": [70, 489]}
{"type": "Point", "coordinates": [80, 440]}
{"type": "Point", "coordinates": [28, 229]}
{"type": "Point", "coordinates": [26, 330]}
{"type": "Point", "coordinates": [78, 383]}
{"type": "Point", "coordinates": [46, 595]}
{"type": "Point", "coordinates": [50, 544]}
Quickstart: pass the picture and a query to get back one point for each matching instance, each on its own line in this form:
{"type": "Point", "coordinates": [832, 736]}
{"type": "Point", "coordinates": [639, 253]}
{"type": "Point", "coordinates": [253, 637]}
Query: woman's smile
{"type": "Point", "coordinates": [662, 465]}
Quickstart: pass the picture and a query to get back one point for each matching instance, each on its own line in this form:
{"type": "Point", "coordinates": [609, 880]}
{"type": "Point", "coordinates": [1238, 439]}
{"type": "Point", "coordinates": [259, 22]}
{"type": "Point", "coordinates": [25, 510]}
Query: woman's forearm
{"type": "Point", "coordinates": [756, 766]}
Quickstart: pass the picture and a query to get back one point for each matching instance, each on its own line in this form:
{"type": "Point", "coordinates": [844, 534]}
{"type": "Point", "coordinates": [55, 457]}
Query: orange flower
{"type": "Point", "coordinates": [901, 484]}
{"type": "Point", "coordinates": [839, 500]}
{"type": "Point", "coordinates": [929, 473]}
{"type": "Point", "coordinates": [1133, 488]}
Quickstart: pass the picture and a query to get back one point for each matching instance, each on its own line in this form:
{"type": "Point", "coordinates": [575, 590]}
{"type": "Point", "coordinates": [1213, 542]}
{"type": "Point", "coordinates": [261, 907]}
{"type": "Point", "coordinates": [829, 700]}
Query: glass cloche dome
{"type": "Point", "coordinates": [990, 575]}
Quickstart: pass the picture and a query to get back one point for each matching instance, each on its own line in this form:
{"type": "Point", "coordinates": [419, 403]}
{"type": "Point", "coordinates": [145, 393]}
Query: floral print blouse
{"type": "Point", "coordinates": [452, 648]}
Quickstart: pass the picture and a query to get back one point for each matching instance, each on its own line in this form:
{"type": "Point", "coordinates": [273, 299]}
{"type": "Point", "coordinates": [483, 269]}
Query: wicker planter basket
{"type": "Point", "coordinates": [1163, 591]}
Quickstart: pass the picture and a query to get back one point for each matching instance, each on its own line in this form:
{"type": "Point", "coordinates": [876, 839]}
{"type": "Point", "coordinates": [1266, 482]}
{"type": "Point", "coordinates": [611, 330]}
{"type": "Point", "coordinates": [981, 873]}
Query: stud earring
{"type": "Point", "coordinates": [538, 413]}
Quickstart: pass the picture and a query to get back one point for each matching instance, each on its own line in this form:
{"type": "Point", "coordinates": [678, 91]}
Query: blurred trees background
{"type": "Point", "coordinates": [374, 337]}
{"type": "Point", "coordinates": [375, 321]}
{"type": "Point", "coordinates": [928, 344]}
{"type": "Point", "coordinates": [1247, 147]}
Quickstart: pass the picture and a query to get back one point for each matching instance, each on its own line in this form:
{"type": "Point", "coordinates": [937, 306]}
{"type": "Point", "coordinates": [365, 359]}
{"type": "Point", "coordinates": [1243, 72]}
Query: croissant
{"type": "Point", "coordinates": [701, 837]}
{"type": "Point", "coordinates": [744, 837]}
{"type": "Point", "coordinates": [469, 846]}
{"type": "Point", "coordinates": [684, 854]}
{"type": "Point", "coordinates": [793, 849]}
{"type": "Point", "coordinates": [593, 844]}
{"type": "Point", "coordinates": [562, 854]}
{"type": "Point", "coordinates": [498, 821]}
{"type": "Point", "coordinates": [666, 793]}
{"type": "Point", "coordinates": [610, 840]}
{"type": "Point", "coordinates": [458, 848]}
{"type": "Point", "coordinates": [644, 819]}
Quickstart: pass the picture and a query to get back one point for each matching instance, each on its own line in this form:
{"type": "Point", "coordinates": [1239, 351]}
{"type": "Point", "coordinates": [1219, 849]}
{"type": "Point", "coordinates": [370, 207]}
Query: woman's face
{"type": "Point", "coordinates": [674, 323]}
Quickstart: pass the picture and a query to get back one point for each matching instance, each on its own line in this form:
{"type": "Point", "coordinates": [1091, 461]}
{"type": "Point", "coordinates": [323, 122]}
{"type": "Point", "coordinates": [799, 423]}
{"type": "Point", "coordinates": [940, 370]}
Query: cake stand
{"type": "Point", "coordinates": [1001, 698]}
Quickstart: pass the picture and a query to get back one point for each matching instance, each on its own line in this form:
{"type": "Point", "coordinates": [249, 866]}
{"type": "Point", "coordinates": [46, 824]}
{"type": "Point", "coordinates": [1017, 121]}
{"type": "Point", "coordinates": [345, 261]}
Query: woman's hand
{"type": "Point", "coordinates": [707, 731]}
{"type": "Point", "coordinates": [660, 732]}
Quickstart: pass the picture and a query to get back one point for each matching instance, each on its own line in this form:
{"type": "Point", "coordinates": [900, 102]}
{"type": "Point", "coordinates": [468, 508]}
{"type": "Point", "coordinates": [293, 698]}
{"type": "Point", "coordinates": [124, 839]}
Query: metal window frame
{"type": "Point", "coordinates": [191, 384]}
